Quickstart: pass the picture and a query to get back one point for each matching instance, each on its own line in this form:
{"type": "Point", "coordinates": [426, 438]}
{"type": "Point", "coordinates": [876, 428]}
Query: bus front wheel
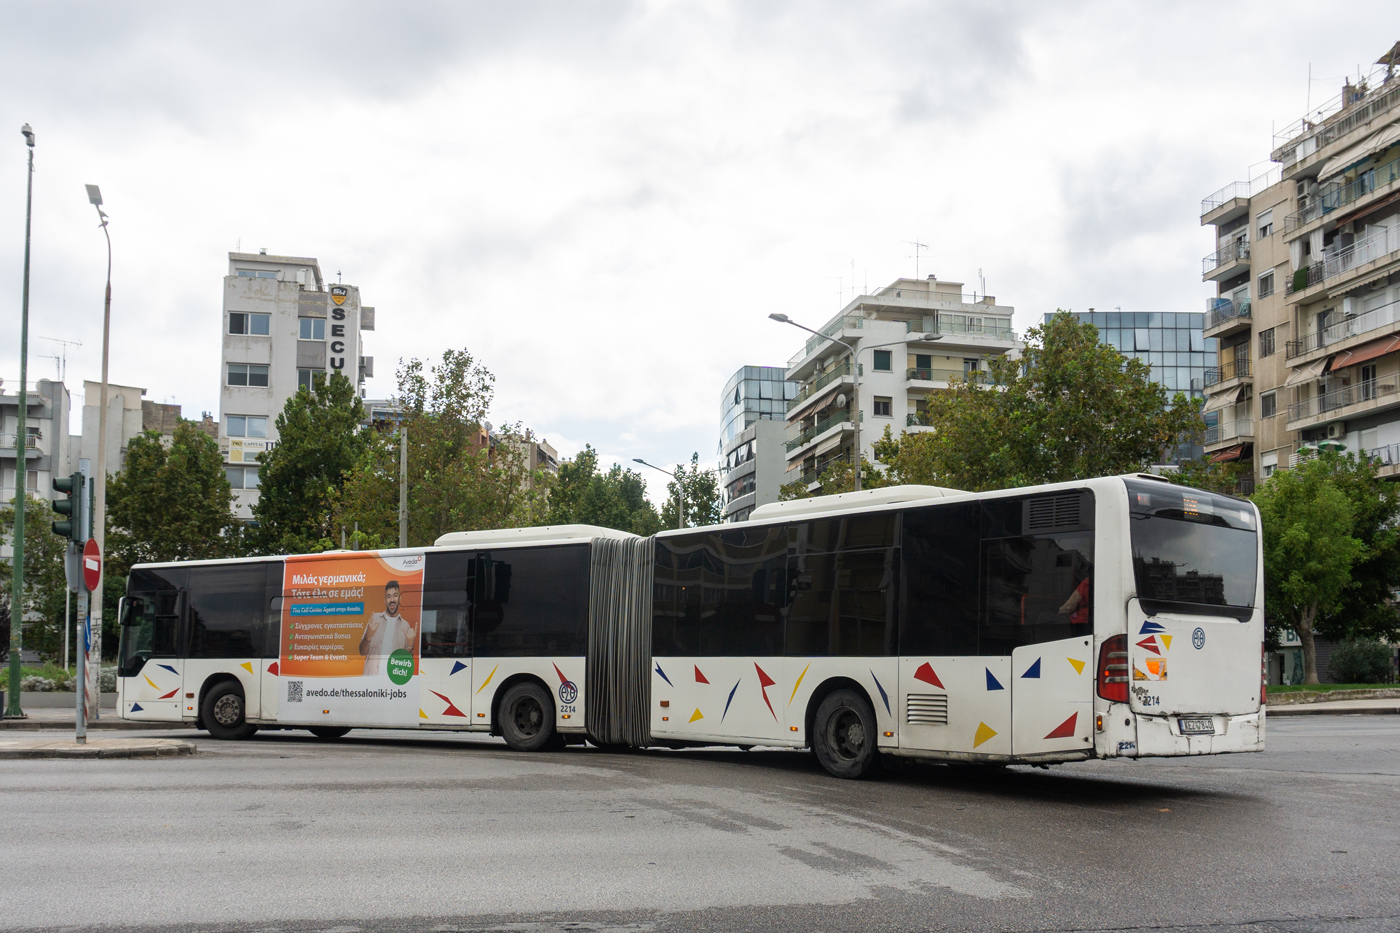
{"type": "Point", "coordinates": [224, 710]}
{"type": "Point", "coordinates": [845, 736]}
{"type": "Point", "coordinates": [527, 718]}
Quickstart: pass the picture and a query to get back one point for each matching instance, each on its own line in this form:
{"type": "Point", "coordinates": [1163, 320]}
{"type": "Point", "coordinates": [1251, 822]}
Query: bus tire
{"type": "Point", "coordinates": [223, 712]}
{"type": "Point", "coordinates": [527, 718]}
{"type": "Point", "coordinates": [844, 736]}
{"type": "Point", "coordinates": [328, 732]}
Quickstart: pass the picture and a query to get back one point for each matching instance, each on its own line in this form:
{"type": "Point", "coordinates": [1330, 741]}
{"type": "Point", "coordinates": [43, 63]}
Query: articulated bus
{"type": "Point", "coordinates": [1119, 617]}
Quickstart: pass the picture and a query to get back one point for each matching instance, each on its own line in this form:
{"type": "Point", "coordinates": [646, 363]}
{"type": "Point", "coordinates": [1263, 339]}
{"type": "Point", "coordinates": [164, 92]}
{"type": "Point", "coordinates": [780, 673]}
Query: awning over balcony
{"type": "Point", "coordinates": [1367, 351]}
{"type": "Point", "coordinates": [1351, 155]}
{"type": "Point", "coordinates": [1308, 373]}
{"type": "Point", "coordinates": [1380, 205]}
{"type": "Point", "coordinates": [1228, 454]}
{"type": "Point", "coordinates": [1226, 399]}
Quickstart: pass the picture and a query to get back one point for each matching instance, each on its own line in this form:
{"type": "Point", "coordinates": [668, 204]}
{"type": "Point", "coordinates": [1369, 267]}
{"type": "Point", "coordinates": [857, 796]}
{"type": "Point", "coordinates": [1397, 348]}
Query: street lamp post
{"type": "Point", "coordinates": [680, 489]}
{"type": "Point", "coordinates": [21, 449]}
{"type": "Point", "coordinates": [854, 352]}
{"type": "Point", "coordinates": [99, 516]}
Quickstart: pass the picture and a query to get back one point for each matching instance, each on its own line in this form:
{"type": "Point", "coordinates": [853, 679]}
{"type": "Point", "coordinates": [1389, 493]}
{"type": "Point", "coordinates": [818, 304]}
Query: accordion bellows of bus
{"type": "Point", "coordinates": [1113, 617]}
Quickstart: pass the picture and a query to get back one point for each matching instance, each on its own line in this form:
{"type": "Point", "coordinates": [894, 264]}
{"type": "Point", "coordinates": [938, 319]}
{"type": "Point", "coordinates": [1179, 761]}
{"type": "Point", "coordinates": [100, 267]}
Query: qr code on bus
{"type": "Point", "coordinates": [294, 691]}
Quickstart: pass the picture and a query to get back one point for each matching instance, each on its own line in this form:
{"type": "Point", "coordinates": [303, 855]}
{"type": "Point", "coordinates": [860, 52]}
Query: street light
{"type": "Point", "coordinates": [855, 375]}
{"type": "Point", "coordinates": [680, 488]}
{"type": "Point", "coordinates": [21, 448]}
{"type": "Point", "coordinates": [99, 516]}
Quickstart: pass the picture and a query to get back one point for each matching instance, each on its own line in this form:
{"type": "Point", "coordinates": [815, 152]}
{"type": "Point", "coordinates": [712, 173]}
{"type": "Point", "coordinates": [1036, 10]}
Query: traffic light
{"type": "Point", "coordinates": [71, 507]}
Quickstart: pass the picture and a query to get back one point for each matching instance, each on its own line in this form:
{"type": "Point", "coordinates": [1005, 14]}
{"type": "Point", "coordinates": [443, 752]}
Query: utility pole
{"type": "Point", "coordinates": [403, 484]}
{"type": "Point", "coordinates": [21, 449]}
{"type": "Point", "coordinates": [99, 517]}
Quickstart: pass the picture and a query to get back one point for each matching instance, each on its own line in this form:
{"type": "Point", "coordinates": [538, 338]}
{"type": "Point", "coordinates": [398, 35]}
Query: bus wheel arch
{"type": "Point", "coordinates": [522, 688]}
{"type": "Point", "coordinates": [854, 703]}
{"type": "Point", "coordinates": [223, 708]}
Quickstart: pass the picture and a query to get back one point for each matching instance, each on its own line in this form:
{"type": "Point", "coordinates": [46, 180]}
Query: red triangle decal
{"type": "Point", "coordinates": [926, 674]}
{"type": "Point", "coordinates": [272, 668]}
{"type": "Point", "coordinates": [1150, 644]}
{"type": "Point", "coordinates": [699, 677]}
{"type": "Point", "coordinates": [451, 709]}
{"type": "Point", "coordinates": [171, 694]}
{"type": "Point", "coordinates": [1065, 730]}
{"type": "Point", "coordinates": [763, 679]}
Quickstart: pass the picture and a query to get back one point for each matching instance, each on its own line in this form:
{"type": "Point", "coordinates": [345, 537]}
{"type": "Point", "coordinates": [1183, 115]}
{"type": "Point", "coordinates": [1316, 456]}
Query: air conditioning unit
{"type": "Point", "coordinates": [1336, 430]}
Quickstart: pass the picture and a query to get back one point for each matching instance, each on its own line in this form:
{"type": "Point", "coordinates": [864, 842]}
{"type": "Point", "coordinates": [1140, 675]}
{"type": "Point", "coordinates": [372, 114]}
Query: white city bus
{"type": "Point", "coordinates": [1116, 617]}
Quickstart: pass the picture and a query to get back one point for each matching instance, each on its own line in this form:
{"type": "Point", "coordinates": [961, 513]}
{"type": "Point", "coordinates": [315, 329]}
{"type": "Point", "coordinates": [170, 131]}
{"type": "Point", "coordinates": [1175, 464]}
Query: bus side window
{"type": "Point", "coordinates": [845, 601]}
{"type": "Point", "coordinates": [530, 602]}
{"type": "Point", "coordinates": [272, 592]}
{"type": "Point", "coordinates": [445, 632]}
{"type": "Point", "coordinates": [227, 611]}
{"type": "Point", "coordinates": [745, 593]}
{"type": "Point", "coordinates": [938, 614]}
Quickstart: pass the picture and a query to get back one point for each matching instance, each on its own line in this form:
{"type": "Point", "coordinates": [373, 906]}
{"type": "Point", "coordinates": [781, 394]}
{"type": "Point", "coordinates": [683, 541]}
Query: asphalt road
{"type": "Point", "coordinates": [382, 832]}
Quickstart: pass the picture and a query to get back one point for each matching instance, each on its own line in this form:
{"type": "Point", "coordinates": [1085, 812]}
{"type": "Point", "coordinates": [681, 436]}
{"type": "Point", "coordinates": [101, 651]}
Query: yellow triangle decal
{"type": "Point", "coordinates": [697, 715]}
{"type": "Point", "coordinates": [984, 732]}
{"type": "Point", "coordinates": [488, 679]}
{"type": "Point", "coordinates": [247, 666]}
{"type": "Point", "coordinates": [1166, 641]}
{"type": "Point", "coordinates": [798, 684]}
{"type": "Point", "coordinates": [150, 681]}
{"type": "Point", "coordinates": [1078, 665]}
{"type": "Point", "coordinates": [422, 715]}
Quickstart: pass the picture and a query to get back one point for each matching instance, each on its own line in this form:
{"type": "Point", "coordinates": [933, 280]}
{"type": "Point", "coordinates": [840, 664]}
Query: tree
{"type": "Point", "coordinates": [1069, 408]}
{"type": "Point", "coordinates": [839, 477]}
{"type": "Point", "coordinates": [1309, 549]}
{"type": "Point", "coordinates": [44, 582]}
{"type": "Point", "coordinates": [1366, 610]}
{"type": "Point", "coordinates": [703, 505]}
{"type": "Point", "coordinates": [320, 439]}
{"type": "Point", "coordinates": [614, 499]}
{"type": "Point", "coordinates": [1204, 473]}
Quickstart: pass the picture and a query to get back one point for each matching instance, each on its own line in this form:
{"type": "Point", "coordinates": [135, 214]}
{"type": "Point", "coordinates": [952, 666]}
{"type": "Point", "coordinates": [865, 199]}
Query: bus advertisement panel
{"type": "Point", "coordinates": [349, 650]}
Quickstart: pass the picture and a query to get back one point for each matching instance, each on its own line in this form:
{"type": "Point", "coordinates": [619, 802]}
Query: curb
{"type": "Point", "coordinates": [1311, 709]}
{"type": "Point", "coordinates": [59, 725]}
{"type": "Point", "coordinates": [169, 748]}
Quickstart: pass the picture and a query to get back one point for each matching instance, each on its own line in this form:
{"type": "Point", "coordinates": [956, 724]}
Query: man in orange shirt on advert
{"type": "Point", "coordinates": [385, 632]}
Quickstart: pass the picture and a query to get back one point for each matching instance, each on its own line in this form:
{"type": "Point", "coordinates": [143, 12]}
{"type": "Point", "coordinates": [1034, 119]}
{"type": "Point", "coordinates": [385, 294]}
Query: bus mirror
{"type": "Point", "coordinates": [129, 609]}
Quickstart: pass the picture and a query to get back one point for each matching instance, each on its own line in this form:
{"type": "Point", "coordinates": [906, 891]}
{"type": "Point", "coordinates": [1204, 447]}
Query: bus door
{"type": "Point", "coordinates": [1052, 696]}
{"type": "Point", "coordinates": [956, 704]}
{"type": "Point", "coordinates": [445, 657]}
{"type": "Point", "coordinates": [149, 671]}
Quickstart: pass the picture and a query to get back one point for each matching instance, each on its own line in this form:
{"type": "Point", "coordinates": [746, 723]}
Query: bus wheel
{"type": "Point", "coordinates": [527, 718]}
{"type": "Point", "coordinates": [845, 735]}
{"type": "Point", "coordinates": [223, 712]}
{"type": "Point", "coordinates": [328, 732]}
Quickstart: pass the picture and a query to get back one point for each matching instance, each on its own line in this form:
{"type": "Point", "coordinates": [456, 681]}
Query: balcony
{"type": "Point", "coordinates": [808, 477]}
{"type": "Point", "coordinates": [1232, 201]}
{"type": "Point", "coordinates": [1346, 264]}
{"type": "Point", "coordinates": [961, 325]}
{"type": "Point", "coordinates": [33, 449]}
{"type": "Point", "coordinates": [946, 377]}
{"type": "Point", "coordinates": [1224, 316]}
{"type": "Point", "coordinates": [1386, 317]}
{"type": "Point", "coordinates": [813, 388]}
{"type": "Point", "coordinates": [1343, 195]}
{"type": "Point", "coordinates": [841, 417]}
{"type": "Point", "coordinates": [1355, 107]}
{"type": "Point", "coordinates": [1226, 261]}
{"type": "Point", "coordinates": [1387, 459]}
{"type": "Point", "coordinates": [1231, 432]}
{"type": "Point", "coordinates": [1229, 370]}
{"type": "Point", "coordinates": [829, 334]}
{"type": "Point", "coordinates": [1342, 403]}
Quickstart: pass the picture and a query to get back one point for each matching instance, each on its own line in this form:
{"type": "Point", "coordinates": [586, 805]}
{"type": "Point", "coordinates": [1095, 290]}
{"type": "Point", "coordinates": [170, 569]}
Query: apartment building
{"type": "Point", "coordinates": [911, 338]}
{"type": "Point", "coordinates": [753, 426]}
{"type": "Point", "coordinates": [282, 324]}
{"type": "Point", "coordinates": [46, 452]}
{"type": "Point", "coordinates": [1307, 273]}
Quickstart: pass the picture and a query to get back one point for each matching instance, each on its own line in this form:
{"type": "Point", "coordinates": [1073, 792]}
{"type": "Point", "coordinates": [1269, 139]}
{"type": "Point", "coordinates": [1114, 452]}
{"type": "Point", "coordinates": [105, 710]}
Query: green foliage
{"type": "Point", "coordinates": [702, 500]}
{"type": "Point", "coordinates": [1069, 408]}
{"type": "Point", "coordinates": [1358, 661]}
{"type": "Point", "coordinates": [1204, 474]}
{"type": "Point", "coordinates": [1367, 609]}
{"type": "Point", "coordinates": [839, 477]}
{"type": "Point", "coordinates": [614, 499]}
{"type": "Point", "coordinates": [44, 581]}
{"type": "Point", "coordinates": [320, 440]}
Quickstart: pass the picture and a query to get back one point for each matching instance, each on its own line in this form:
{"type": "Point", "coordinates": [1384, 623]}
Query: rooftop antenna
{"type": "Point", "coordinates": [982, 283]}
{"type": "Point", "coordinates": [853, 279]}
{"type": "Point", "coordinates": [917, 246]}
{"type": "Point", "coordinates": [337, 276]}
{"type": "Point", "coordinates": [61, 358]}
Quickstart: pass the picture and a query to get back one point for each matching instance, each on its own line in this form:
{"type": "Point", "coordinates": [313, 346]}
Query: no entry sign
{"type": "Point", "coordinates": [92, 564]}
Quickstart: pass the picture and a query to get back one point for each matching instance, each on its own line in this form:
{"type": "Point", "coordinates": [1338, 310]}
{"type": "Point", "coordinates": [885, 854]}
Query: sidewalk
{"type": "Point", "coordinates": [66, 748]}
{"type": "Point", "coordinates": [49, 720]}
{"type": "Point", "coordinates": [1380, 707]}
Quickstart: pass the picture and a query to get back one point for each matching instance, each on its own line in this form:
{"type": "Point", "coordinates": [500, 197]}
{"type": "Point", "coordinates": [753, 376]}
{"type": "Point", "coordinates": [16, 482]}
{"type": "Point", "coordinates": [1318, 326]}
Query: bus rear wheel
{"type": "Point", "coordinates": [845, 736]}
{"type": "Point", "coordinates": [328, 732]}
{"type": "Point", "coordinates": [223, 712]}
{"type": "Point", "coordinates": [527, 718]}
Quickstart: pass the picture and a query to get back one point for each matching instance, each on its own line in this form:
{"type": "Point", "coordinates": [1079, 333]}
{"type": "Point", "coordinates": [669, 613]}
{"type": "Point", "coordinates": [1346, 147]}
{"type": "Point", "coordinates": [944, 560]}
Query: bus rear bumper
{"type": "Point", "coordinates": [1167, 736]}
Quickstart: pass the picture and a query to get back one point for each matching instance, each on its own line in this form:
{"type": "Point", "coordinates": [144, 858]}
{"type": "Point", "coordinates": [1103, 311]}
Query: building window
{"type": "Point", "coordinates": [882, 361]}
{"type": "Point", "coordinates": [255, 325]}
{"type": "Point", "coordinates": [311, 328]}
{"type": "Point", "coordinates": [1266, 284]}
{"type": "Point", "coordinates": [256, 274]}
{"type": "Point", "coordinates": [1266, 343]}
{"type": "Point", "coordinates": [970, 366]}
{"type": "Point", "coordinates": [247, 374]}
{"type": "Point", "coordinates": [246, 426]}
{"type": "Point", "coordinates": [242, 477]}
{"type": "Point", "coordinates": [305, 378]}
{"type": "Point", "coordinates": [1268, 405]}
{"type": "Point", "coordinates": [1266, 223]}
{"type": "Point", "coordinates": [882, 406]}
{"type": "Point", "coordinates": [31, 480]}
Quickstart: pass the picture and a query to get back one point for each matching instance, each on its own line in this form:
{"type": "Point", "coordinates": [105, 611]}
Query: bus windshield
{"type": "Point", "coordinates": [1192, 550]}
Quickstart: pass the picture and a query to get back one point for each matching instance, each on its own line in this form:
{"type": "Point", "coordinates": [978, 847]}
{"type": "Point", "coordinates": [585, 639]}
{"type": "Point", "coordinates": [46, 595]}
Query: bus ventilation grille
{"type": "Point", "coordinates": [1052, 513]}
{"type": "Point", "coordinates": [928, 709]}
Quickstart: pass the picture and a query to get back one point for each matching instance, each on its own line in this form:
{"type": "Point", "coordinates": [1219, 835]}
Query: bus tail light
{"type": "Point", "coordinates": [1113, 669]}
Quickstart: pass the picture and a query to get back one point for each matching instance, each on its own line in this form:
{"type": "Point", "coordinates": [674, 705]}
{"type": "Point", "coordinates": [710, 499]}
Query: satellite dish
{"type": "Point", "coordinates": [841, 400]}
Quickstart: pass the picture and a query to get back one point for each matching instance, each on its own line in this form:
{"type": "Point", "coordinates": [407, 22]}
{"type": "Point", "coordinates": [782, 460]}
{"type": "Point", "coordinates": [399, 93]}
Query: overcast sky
{"type": "Point", "coordinates": [604, 201]}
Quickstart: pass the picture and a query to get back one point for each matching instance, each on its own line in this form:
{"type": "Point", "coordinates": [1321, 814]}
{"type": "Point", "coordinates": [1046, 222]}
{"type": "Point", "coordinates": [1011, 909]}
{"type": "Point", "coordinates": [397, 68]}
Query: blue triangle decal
{"type": "Point", "coordinates": [456, 666]}
{"type": "Point", "coordinates": [883, 695]}
{"type": "Point", "coordinates": [136, 708]}
{"type": "Point", "coordinates": [1033, 671]}
{"type": "Point", "coordinates": [1150, 628]}
{"type": "Point", "coordinates": [992, 682]}
{"type": "Point", "coordinates": [726, 702]}
{"type": "Point", "coordinates": [170, 669]}
{"type": "Point", "coordinates": [664, 677]}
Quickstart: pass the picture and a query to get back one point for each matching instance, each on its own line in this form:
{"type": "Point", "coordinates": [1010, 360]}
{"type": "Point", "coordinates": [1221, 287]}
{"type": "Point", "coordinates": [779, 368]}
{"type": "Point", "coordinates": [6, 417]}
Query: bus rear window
{"type": "Point", "coordinates": [1192, 550]}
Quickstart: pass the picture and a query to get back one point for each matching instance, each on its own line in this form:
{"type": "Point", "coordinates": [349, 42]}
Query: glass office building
{"type": "Point", "coordinates": [754, 393]}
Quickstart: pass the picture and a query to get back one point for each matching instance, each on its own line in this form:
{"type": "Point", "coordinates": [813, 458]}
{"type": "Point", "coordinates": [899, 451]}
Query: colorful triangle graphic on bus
{"type": "Point", "coordinates": [1065, 730]}
{"type": "Point", "coordinates": [1150, 644]}
{"type": "Point", "coordinates": [1077, 665]}
{"type": "Point", "coordinates": [696, 715]}
{"type": "Point", "coordinates": [799, 682]}
{"type": "Point", "coordinates": [764, 682]}
{"type": "Point", "coordinates": [883, 695]}
{"type": "Point", "coordinates": [451, 710]}
{"type": "Point", "coordinates": [421, 714]}
{"type": "Point", "coordinates": [1166, 641]}
{"type": "Point", "coordinates": [984, 732]}
{"type": "Point", "coordinates": [488, 678]}
{"type": "Point", "coordinates": [168, 668]}
{"type": "Point", "coordinates": [136, 708]}
{"type": "Point", "coordinates": [992, 682]}
{"type": "Point", "coordinates": [927, 675]}
{"type": "Point", "coordinates": [1033, 672]}
{"type": "Point", "coordinates": [731, 698]}
{"type": "Point", "coordinates": [699, 677]}
{"type": "Point", "coordinates": [1150, 628]}
{"type": "Point", "coordinates": [663, 676]}
{"type": "Point", "coordinates": [273, 669]}
{"type": "Point", "coordinates": [171, 694]}
{"type": "Point", "coordinates": [456, 666]}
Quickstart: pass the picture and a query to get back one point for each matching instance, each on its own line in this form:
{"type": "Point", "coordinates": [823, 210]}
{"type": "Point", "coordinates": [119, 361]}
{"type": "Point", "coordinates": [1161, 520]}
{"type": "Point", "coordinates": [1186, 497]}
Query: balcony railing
{"type": "Point", "coordinates": [1239, 189]}
{"type": "Point", "coordinates": [997, 328]}
{"type": "Point", "coordinates": [1221, 310]}
{"type": "Point", "coordinates": [1386, 316]}
{"type": "Point", "coordinates": [809, 477]}
{"type": "Point", "coordinates": [819, 383]}
{"type": "Point", "coordinates": [1378, 245]}
{"type": "Point", "coordinates": [7, 442]}
{"type": "Point", "coordinates": [950, 376]}
{"type": "Point", "coordinates": [1230, 430]}
{"type": "Point", "coordinates": [830, 421]}
{"type": "Point", "coordinates": [1340, 398]}
{"type": "Point", "coordinates": [1388, 455]}
{"type": "Point", "coordinates": [1329, 200]}
{"type": "Point", "coordinates": [1355, 106]}
{"type": "Point", "coordinates": [1226, 254]}
{"type": "Point", "coordinates": [1230, 369]}
{"type": "Point", "coordinates": [846, 322]}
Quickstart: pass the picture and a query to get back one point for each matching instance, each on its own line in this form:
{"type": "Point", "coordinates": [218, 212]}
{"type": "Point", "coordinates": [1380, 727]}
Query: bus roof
{"type": "Point", "coordinates": [887, 495]}
{"type": "Point", "coordinates": [504, 536]}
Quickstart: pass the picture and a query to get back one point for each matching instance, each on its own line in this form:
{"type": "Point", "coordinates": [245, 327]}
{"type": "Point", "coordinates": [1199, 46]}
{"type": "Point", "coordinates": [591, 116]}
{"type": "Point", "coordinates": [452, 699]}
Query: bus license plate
{"type": "Point", "coordinates": [1200, 726]}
